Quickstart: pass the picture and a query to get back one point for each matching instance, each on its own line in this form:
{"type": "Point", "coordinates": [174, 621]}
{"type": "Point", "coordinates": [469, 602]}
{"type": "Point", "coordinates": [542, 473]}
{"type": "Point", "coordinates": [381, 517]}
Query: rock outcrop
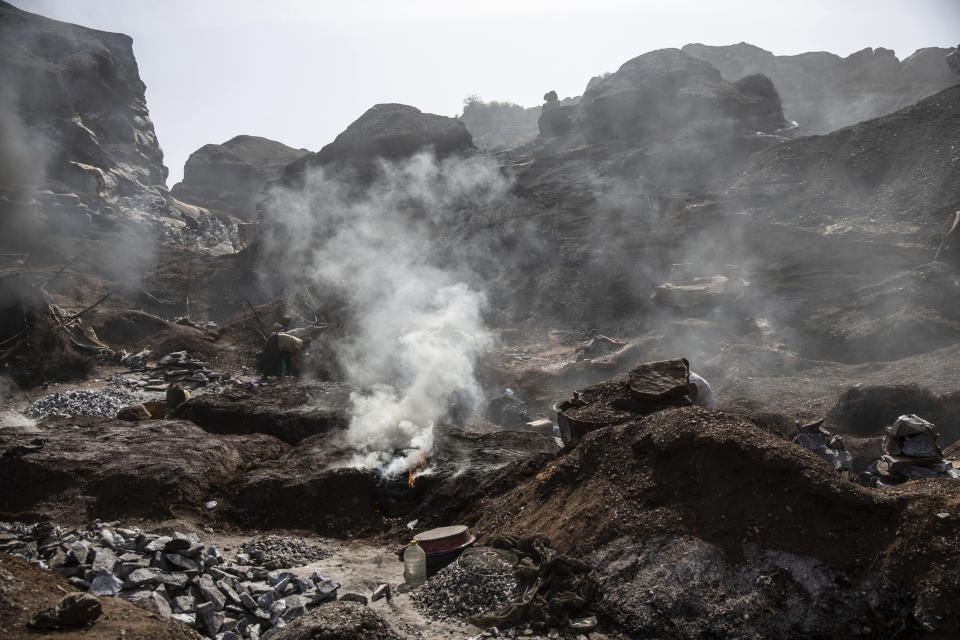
{"type": "Point", "coordinates": [665, 121]}
{"type": "Point", "coordinates": [92, 467]}
{"type": "Point", "coordinates": [79, 154]}
{"type": "Point", "coordinates": [290, 413]}
{"type": "Point", "coordinates": [389, 132]}
{"type": "Point", "coordinates": [668, 94]}
{"type": "Point", "coordinates": [823, 92]}
{"type": "Point", "coordinates": [228, 178]}
{"type": "Point", "coordinates": [73, 109]}
{"type": "Point", "coordinates": [500, 125]}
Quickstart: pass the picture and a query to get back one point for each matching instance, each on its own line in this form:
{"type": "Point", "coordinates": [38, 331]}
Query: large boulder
{"type": "Point", "coordinates": [91, 467]}
{"type": "Point", "coordinates": [290, 412]}
{"type": "Point", "coordinates": [823, 92]}
{"type": "Point", "coordinates": [667, 93]}
{"type": "Point", "coordinates": [228, 178]}
{"type": "Point", "coordinates": [663, 123]}
{"type": "Point", "coordinates": [389, 132]}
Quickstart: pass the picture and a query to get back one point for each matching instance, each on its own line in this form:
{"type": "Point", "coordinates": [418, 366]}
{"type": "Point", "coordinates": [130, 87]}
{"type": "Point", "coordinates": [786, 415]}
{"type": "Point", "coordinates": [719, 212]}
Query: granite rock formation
{"type": "Point", "coordinates": [228, 178]}
{"type": "Point", "coordinates": [75, 99]}
{"type": "Point", "coordinates": [79, 154]}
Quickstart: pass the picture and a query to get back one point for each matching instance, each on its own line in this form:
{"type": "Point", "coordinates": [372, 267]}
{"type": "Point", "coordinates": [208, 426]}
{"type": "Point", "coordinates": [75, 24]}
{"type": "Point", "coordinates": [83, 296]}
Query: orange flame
{"type": "Point", "coordinates": [418, 468]}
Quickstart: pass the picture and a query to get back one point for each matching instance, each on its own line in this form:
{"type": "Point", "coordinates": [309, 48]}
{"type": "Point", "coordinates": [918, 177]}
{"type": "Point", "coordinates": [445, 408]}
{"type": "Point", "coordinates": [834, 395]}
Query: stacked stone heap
{"type": "Point", "coordinates": [910, 452]}
{"type": "Point", "coordinates": [174, 368]}
{"type": "Point", "coordinates": [174, 576]}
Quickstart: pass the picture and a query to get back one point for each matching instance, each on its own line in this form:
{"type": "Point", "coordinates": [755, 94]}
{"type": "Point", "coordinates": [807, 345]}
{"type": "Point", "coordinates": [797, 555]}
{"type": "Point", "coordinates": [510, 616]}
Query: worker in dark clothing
{"type": "Point", "coordinates": [278, 353]}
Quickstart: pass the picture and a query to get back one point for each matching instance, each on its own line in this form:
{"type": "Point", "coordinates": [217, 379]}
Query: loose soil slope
{"type": "Point", "coordinates": [26, 590]}
{"type": "Point", "coordinates": [737, 493]}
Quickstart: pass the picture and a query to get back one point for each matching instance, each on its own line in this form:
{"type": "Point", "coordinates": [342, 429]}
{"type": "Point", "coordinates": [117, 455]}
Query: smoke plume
{"type": "Point", "coordinates": [415, 308]}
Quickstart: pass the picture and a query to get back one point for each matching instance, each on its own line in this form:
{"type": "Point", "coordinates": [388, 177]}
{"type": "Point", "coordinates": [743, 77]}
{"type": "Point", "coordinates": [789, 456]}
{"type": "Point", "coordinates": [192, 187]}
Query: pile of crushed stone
{"type": "Point", "coordinates": [278, 552]}
{"type": "Point", "coordinates": [81, 402]}
{"type": "Point", "coordinates": [456, 593]}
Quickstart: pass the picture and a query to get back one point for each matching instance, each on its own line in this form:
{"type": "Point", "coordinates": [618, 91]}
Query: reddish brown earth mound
{"type": "Point", "coordinates": [747, 505]}
{"type": "Point", "coordinates": [26, 590]}
{"type": "Point", "coordinates": [90, 467]}
{"type": "Point", "coordinates": [721, 477]}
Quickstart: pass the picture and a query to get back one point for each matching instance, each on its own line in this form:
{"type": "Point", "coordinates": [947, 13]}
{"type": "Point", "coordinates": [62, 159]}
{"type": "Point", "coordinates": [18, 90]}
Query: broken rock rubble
{"type": "Point", "coordinates": [813, 437]}
{"type": "Point", "coordinates": [175, 576]}
{"type": "Point", "coordinates": [456, 593]}
{"type": "Point", "coordinates": [86, 402]}
{"type": "Point", "coordinates": [278, 552]}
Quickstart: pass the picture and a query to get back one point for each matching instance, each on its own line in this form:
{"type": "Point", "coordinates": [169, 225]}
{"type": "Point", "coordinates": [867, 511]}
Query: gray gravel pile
{"type": "Point", "coordinates": [455, 593]}
{"type": "Point", "coordinates": [87, 402]}
{"type": "Point", "coordinates": [173, 576]}
{"type": "Point", "coordinates": [278, 552]}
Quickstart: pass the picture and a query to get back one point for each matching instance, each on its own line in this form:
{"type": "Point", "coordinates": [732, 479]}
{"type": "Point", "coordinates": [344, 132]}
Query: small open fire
{"type": "Point", "coordinates": [419, 467]}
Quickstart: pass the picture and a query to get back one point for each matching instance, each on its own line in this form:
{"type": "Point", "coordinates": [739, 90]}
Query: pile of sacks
{"type": "Point", "coordinates": [174, 576]}
{"type": "Point", "coordinates": [813, 437]}
{"type": "Point", "coordinates": [910, 452]}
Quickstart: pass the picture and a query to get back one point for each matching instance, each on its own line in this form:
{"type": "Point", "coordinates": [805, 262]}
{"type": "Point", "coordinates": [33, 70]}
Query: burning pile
{"type": "Point", "coordinates": [418, 468]}
{"type": "Point", "coordinates": [910, 453]}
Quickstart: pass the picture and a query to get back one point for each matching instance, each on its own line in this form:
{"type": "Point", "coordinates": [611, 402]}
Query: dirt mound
{"type": "Point", "coordinates": [90, 467]}
{"type": "Point", "coordinates": [26, 590]}
{"type": "Point", "coordinates": [289, 411]}
{"type": "Point", "coordinates": [339, 621]}
{"type": "Point", "coordinates": [694, 471]}
{"type": "Point", "coordinates": [720, 517]}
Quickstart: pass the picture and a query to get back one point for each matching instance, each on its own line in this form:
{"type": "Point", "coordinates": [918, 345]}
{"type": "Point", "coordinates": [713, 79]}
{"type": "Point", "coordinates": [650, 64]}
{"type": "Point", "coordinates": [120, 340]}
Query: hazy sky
{"type": "Point", "coordinates": [300, 71]}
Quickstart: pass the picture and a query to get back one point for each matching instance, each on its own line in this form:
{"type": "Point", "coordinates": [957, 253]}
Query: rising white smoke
{"type": "Point", "coordinates": [417, 322]}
